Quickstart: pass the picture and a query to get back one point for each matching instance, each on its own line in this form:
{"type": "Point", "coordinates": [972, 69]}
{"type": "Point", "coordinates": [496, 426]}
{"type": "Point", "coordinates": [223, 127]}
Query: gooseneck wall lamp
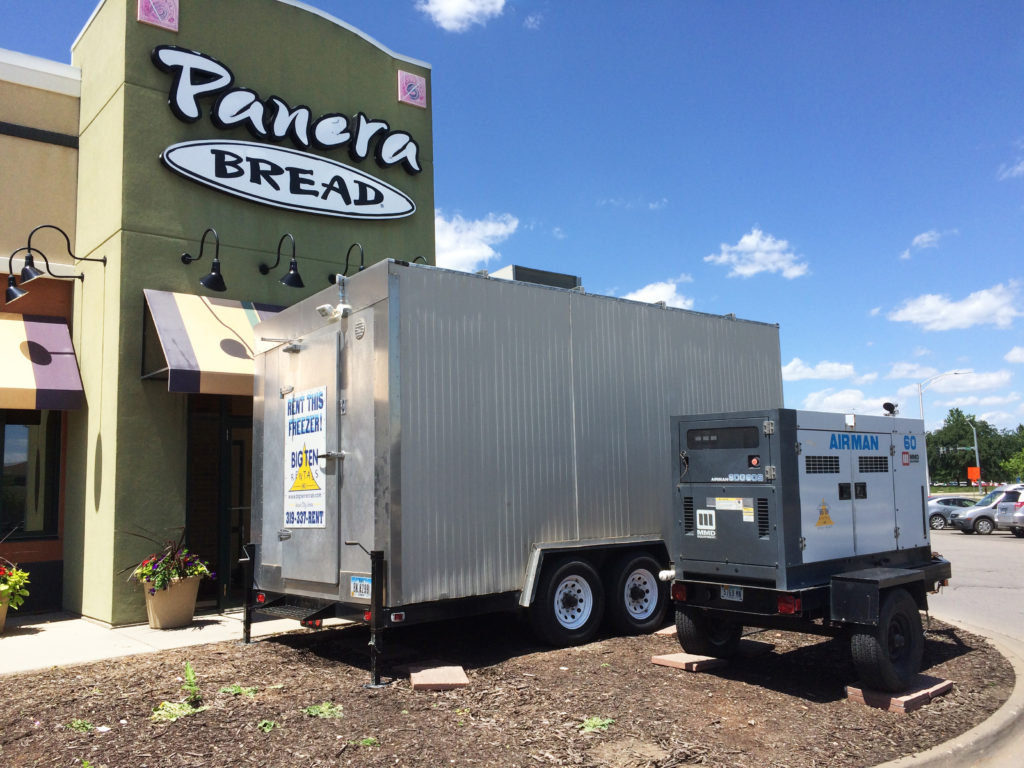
{"type": "Point", "coordinates": [213, 281]}
{"type": "Point", "coordinates": [29, 272]}
{"type": "Point", "coordinates": [291, 278]}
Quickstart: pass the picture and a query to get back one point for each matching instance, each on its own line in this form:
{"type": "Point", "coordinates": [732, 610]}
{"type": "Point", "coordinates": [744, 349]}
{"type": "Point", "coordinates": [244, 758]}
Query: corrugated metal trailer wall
{"type": "Point", "coordinates": [529, 415]}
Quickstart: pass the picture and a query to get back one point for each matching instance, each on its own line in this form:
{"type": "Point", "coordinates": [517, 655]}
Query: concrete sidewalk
{"type": "Point", "coordinates": [41, 641]}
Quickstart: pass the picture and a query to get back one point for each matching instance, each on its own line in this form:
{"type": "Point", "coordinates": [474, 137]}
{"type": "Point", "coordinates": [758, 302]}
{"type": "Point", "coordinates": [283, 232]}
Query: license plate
{"type": "Point", "coordinates": [733, 593]}
{"type": "Point", "coordinates": [359, 586]}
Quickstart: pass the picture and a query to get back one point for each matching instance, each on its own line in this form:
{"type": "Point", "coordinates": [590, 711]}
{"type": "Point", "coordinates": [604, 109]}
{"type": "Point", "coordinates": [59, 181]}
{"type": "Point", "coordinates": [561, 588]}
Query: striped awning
{"type": "Point", "coordinates": [207, 343]}
{"type": "Point", "coordinates": [39, 370]}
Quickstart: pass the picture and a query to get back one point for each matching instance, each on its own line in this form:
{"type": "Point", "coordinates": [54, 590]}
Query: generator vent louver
{"type": "Point", "coordinates": [821, 465]}
{"type": "Point", "coordinates": [689, 521]}
{"type": "Point", "coordinates": [873, 463]}
{"type": "Point", "coordinates": [763, 528]}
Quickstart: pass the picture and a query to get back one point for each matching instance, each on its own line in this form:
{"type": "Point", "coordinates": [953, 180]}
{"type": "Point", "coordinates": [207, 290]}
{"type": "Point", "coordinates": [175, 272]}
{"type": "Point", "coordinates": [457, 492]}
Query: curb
{"type": "Point", "coordinates": [999, 740]}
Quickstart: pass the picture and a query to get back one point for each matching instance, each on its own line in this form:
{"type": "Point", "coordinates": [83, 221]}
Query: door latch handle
{"type": "Point", "coordinates": [283, 534]}
{"type": "Point", "coordinates": [339, 455]}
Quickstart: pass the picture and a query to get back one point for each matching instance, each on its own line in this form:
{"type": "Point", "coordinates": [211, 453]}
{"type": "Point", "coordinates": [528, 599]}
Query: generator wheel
{"type": "Point", "coordinates": [888, 656]}
{"type": "Point", "coordinates": [569, 605]}
{"type": "Point", "coordinates": [636, 599]}
{"type": "Point", "coordinates": [1019, 533]}
{"type": "Point", "coordinates": [706, 635]}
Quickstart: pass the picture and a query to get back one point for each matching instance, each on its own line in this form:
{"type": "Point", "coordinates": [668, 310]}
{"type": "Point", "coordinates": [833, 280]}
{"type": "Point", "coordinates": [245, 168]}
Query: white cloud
{"type": "Point", "coordinates": [533, 21]}
{"type": "Point", "coordinates": [466, 245]}
{"type": "Point", "coordinates": [1015, 355]}
{"type": "Point", "coordinates": [999, 419]}
{"type": "Point", "coordinates": [844, 401]}
{"type": "Point", "coordinates": [796, 370]}
{"type": "Point", "coordinates": [757, 252]}
{"type": "Point", "coordinates": [875, 311]}
{"type": "Point", "coordinates": [972, 401]}
{"type": "Point", "coordinates": [922, 352]}
{"type": "Point", "coordinates": [971, 382]}
{"type": "Point", "coordinates": [934, 312]}
{"type": "Point", "coordinates": [558, 233]}
{"type": "Point", "coordinates": [460, 15]}
{"type": "Point", "coordinates": [929, 239]}
{"type": "Point", "coordinates": [666, 290]}
{"type": "Point", "coordinates": [911, 371]}
{"type": "Point", "coordinates": [1011, 171]}
{"type": "Point", "coordinates": [657, 205]}
{"type": "Point", "coordinates": [867, 378]}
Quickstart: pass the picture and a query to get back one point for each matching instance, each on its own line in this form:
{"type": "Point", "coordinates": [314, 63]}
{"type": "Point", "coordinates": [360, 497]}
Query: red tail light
{"type": "Point", "coordinates": [260, 597]}
{"type": "Point", "coordinates": [678, 592]}
{"type": "Point", "coordinates": [367, 616]}
{"type": "Point", "coordinates": [789, 604]}
{"type": "Point", "coordinates": [1017, 505]}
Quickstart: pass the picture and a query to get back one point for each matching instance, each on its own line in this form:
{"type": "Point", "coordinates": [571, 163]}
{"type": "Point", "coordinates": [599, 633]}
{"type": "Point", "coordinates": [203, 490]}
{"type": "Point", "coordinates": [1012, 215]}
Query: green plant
{"type": "Point", "coordinates": [169, 711]}
{"type": "Point", "coordinates": [12, 584]}
{"type": "Point", "coordinates": [369, 741]}
{"type": "Point", "coordinates": [80, 726]}
{"type": "Point", "coordinates": [595, 724]}
{"type": "Point", "coordinates": [190, 686]}
{"type": "Point", "coordinates": [238, 690]}
{"type": "Point", "coordinates": [266, 725]}
{"type": "Point", "coordinates": [326, 709]}
{"type": "Point", "coordinates": [172, 561]}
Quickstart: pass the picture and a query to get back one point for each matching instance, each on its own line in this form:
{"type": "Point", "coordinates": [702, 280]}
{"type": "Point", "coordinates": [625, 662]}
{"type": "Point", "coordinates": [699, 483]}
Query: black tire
{"type": "Point", "coordinates": [706, 635]}
{"type": "Point", "coordinates": [569, 605]}
{"type": "Point", "coordinates": [1019, 533]}
{"type": "Point", "coordinates": [888, 656]}
{"type": "Point", "coordinates": [967, 531]}
{"type": "Point", "coordinates": [936, 522]}
{"type": "Point", "coordinates": [636, 600]}
{"type": "Point", "coordinates": [984, 526]}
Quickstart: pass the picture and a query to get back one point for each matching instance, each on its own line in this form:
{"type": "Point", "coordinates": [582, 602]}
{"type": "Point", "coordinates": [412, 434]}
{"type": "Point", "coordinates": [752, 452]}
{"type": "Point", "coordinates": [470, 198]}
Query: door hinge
{"type": "Point", "coordinates": [769, 427]}
{"type": "Point", "coordinates": [803, 543]}
{"type": "Point", "coordinates": [769, 472]}
{"type": "Point", "coordinates": [892, 450]}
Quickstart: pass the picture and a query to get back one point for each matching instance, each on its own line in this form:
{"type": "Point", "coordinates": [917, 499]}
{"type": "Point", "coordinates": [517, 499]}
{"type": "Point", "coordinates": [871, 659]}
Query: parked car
{"type": "Point", "coordinates": [940, 507]}
{"type": "Point", "coordinates": [1010, 516]}
{"type": "Point", "coordinates": [981, 518]}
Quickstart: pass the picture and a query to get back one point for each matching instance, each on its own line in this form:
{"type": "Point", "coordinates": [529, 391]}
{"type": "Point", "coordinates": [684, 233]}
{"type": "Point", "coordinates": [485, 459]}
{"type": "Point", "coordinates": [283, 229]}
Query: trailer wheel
{"type": "Point", "coordinates": [636, 599]}
{"type": "Point", "coordinates": [937, 522]}
{"type": "Point", "coordinates": [983, 525]}
{"type": "Point", "coordinates": [705, 635]}
{"type": "Point", "coordinates": [888, 656]}
{"type": "Point", "coordinates": [569, 605]}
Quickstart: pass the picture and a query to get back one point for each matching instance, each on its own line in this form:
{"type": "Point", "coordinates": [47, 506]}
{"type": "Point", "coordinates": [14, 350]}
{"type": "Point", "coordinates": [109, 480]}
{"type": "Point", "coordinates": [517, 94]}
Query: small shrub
{"type": "Point", "coordinates": [80, 726]}
{"type": "Point", "coordinates": [596, 724]}
{"type": "Point", "coordinates": [266, 725]}
{"type": "Point", "coordinates": [326, 709]}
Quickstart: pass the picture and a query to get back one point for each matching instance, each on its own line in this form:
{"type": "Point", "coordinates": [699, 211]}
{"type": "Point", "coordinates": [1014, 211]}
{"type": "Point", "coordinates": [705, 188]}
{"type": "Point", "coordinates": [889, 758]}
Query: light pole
{"type": "Point", "coordinates": [977, 457]}
{"type": "Point", "coordinates": [921, 387]}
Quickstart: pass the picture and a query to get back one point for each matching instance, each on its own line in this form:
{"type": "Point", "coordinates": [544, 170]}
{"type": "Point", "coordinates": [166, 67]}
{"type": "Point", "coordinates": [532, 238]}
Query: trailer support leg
{"type": "Point", "coordinates": [248, 565]}
{"type": "Point", "coordinates": [376, 615]}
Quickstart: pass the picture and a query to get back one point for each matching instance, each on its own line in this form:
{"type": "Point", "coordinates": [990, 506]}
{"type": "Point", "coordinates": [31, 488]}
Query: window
{"type": "Point", "coordinates": [30, 474]}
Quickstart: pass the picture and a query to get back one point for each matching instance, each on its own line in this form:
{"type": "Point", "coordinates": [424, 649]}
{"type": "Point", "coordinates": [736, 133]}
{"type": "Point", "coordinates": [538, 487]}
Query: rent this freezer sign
{"type": "Point", "coordinates": [305, 438]}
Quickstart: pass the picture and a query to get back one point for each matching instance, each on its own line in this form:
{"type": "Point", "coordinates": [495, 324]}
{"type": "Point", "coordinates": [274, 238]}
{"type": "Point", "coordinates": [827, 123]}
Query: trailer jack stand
{"type": "Point", "coordinates": [376, 643]}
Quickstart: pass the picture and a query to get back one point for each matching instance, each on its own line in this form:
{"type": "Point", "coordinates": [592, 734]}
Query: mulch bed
{"type": "Point", "coordinates": [526, 705]}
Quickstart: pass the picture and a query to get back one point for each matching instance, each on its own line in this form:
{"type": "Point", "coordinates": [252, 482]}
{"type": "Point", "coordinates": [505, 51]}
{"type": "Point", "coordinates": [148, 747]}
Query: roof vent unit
{"type": "Point", "coordinates": [538, 276]}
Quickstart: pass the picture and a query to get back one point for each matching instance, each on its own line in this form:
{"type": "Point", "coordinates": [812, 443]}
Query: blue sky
{"type": "Point", "coordinates": [851, 171]}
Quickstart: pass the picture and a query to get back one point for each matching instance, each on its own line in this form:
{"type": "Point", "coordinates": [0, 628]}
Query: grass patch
{"type": "Point", "coordinates": [596, 724]}
{"type": "Point", "coordinates": [326, 709]}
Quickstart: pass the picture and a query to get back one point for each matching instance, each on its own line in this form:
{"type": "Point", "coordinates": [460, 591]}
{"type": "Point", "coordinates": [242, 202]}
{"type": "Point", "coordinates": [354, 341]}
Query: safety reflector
{"type": "Point", "coordinates": [679, 592]}
{"type": "Point", "coordinates": [260, 597]}
{"type": "Point", "coordinates": [367, 616]}
{"type": "Point", "coordinates": [789, 604]}
{"type": "Point", "coordinates": [398, 617]}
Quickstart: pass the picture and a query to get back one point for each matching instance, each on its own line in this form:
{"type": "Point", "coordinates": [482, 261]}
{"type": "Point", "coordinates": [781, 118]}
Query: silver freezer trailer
{"type": "Point", "coordinates": [492, 443]}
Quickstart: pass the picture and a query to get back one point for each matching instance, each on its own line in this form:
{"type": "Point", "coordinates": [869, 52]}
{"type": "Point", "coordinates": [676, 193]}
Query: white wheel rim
{"type": "Point", "coordinates": [640, 595]}
{"type": "Point", "coordinates": [574, 602]}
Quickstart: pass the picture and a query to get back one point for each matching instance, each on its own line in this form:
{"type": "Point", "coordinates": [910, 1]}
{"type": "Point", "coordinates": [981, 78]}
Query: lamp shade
{"type": "Point", "coordinates": [214, 281]}
{"type": "Point", "coordinates": [13, 292]}
{"type": "Point", "coordinates": [292, 279]}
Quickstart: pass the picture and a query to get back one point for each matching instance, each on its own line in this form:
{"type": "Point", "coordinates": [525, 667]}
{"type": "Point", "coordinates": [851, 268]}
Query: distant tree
{"type": "Point", "coordinates": [951, 448]}
{"type": "Point", "coordinates": [1013, 467]}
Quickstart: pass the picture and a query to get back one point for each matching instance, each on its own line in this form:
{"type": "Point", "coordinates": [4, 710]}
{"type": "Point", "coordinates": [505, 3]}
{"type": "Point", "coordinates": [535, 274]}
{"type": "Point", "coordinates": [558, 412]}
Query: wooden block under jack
{"type": "Point", "coordinates": [669, 631]}
{"type": "Point", "coordinates": [694, 663]}
{"type": "Point", "coordinates": [437, 678]}
{"type": "Point", "coordinates": [923, 688]}
{"type": "Point", "coordinates": [689, 662]}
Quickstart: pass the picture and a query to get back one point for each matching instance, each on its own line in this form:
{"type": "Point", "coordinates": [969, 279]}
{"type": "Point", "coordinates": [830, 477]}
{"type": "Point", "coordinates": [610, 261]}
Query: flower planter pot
{"type": "Point", "coordinates": [3, 615]}
{"type": "Point", "coordinates": [174, 606]}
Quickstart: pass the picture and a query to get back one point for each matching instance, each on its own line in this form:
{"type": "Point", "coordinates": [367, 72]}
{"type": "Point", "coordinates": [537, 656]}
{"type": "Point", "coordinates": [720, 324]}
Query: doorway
{"type": "Point", "coordinates": [220, 493]}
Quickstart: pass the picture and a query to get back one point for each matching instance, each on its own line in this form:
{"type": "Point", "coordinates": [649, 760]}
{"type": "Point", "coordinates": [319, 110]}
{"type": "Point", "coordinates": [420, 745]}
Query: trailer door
{"type": "Point", "coordinates": [308, 529]}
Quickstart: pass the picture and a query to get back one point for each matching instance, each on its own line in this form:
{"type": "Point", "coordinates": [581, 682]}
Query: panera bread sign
{"type": "Point", "coordinates": [281, 176]}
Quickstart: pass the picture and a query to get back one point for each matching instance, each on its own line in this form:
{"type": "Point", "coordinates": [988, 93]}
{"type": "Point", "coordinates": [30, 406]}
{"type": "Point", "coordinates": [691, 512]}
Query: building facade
{"type": "Point", "coordinates": [274, 145]}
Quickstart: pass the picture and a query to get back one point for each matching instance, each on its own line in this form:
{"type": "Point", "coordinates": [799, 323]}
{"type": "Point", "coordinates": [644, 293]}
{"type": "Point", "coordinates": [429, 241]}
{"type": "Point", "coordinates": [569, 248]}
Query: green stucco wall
{"type": "Point", "coordinates": [127, 448]}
